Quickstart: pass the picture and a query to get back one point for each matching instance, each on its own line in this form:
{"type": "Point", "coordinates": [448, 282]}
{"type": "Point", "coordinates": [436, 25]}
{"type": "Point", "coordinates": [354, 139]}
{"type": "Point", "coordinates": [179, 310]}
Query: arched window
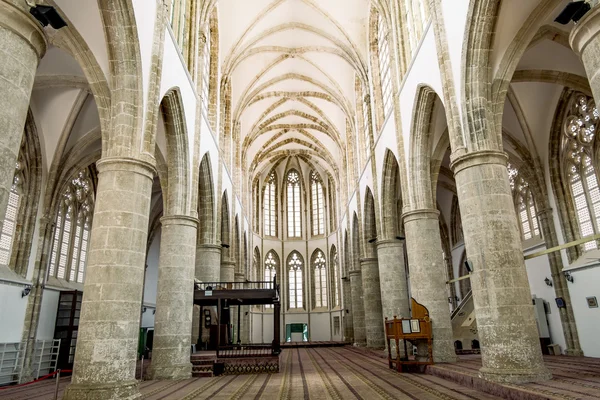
{"type": "Point", "coordinates": [295, 284]}
{"type": "Point", "coordinates": [383, 50]}
{"type": "Point", "coordinates": [577, 144]}
{"type": "Point", "coordinates": [206, 71]}
{"type": "Point", "coordinates": [320, 279]}
{"type": "Point", "coordinates": [270, 206]}
{"type": "Point", "coordinates": [332, 207]}
{"type": "Point", "coordinates": [317, 209]}
{"type": "Point", "coordinates": [293, 204]}
{"type": "Point", "coordinates": [178, 19]}
{"type": "Point", "coordinates": [334, 278]}
{"type": "Point", "coordinates": [72, 230]}
{"type": "Point", "coordinates": [9, 225]}
{"type": "Point", "coordinates": [524, 204]}
{"type": "Point", "coordinates": [271, 268]}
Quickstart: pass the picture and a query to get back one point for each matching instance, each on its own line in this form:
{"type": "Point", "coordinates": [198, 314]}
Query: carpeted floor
{"type": "Point", "coordinates": [347, 373]}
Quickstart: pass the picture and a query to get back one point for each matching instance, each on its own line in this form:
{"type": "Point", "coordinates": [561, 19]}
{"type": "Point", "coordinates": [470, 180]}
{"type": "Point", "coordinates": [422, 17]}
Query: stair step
{"type": "Point", "coordinates": [204, 374]}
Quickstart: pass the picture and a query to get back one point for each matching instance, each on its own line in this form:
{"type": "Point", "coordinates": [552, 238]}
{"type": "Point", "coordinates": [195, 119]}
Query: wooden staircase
{"type": "Point", "coordinates": [203, 365]}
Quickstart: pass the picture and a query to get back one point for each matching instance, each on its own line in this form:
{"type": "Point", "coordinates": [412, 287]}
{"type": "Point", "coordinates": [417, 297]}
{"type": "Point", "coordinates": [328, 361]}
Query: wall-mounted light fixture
{"type": "Point", "coordinates": [400, 237]}
{"type": "Point", "coordinates": [144, 309]}
{"type": "Point", "coordinates": [46, 15]}
{"type": "Point", "coordinates": [548, 281]}
{"type": "Point", "coordinates": [373, 240]}
{"type": "Point", "coordinates": [225, 245]}
{"type": "Point", "coordinates": [26, 291]}
{"type": "Point", "coordinates": [569, 277]}
{"type": "Point", "coordinates": [469, 266]}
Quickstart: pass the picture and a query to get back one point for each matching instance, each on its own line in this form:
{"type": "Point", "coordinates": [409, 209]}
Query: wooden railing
{"type": "Point", "coordinates": [238, 285]}
{"type": "Point", "coordinates": [244, 351]}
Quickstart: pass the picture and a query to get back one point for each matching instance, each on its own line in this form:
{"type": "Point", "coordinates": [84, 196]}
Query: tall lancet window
{"type": "Point", "coordinates": [7, 236]}
{"type": "Point", "coordinates": [383, 49]}
{"type": "Point", "coordinates": [320, 279]}
{"type": "Point", "coordinates": [206, 71]}
{"type": "Point", "coordinates": [72, 230]}
{"type": "Point", "coordinates": [524, 204]}
{"type": "Point", "coordinates": [293, 204]}
{"type": "Point", "coordinates": [577, 148]}
{"type": "Point", "coordinates": [317, 209]}
{"type": "Point", "coordinates": [270, 206]}
{"type": "Point", "coordinates": [271, 268]}
{"type": "Point", "coordinates": [295, 286]}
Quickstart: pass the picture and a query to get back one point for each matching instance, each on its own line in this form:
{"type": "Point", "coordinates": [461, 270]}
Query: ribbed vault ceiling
{"type": "Point", "coordinates": [292, 66]}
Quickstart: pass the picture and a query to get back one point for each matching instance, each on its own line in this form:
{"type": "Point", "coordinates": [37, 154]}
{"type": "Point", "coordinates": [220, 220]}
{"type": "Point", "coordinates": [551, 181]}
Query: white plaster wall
{"type": "Point", "coordinates": [537, 270]}
{"type": "Point", "coordinates": [12, 313]}
{"type": "Point", "coordinates": [48, 311]}
{"type": "Point", "coordinates": [588, 319]}
{"type": "Point", "coordinates": [145, 18]}
{"type": "Point", "coordinates": [320, 327]}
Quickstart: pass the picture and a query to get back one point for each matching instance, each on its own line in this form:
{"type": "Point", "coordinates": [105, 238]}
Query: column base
{"type": "Point", "coordinates": [515, 375]}
{"type": "Point", "coordinates": [574, 352]}
{"type": "Point", "coordinates": [128, 390]}
{"type": "Point", "coordinates": [170, 372]}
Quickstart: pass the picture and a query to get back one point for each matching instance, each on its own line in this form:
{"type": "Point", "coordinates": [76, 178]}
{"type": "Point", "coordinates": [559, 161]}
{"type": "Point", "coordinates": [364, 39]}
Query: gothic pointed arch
{"type": "Point", "coordinates": [206, 209]}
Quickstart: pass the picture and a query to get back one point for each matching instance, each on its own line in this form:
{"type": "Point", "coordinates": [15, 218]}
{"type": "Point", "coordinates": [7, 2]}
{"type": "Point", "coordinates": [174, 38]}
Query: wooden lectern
{"type": "Point", "coordinates": [416, 329]}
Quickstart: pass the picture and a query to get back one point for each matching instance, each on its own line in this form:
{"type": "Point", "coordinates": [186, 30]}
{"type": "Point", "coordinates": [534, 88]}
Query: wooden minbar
{"type": "Point", "coordinates": [415, 330]}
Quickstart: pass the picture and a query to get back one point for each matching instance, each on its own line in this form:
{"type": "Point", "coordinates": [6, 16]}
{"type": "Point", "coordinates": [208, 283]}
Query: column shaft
{"type": "Point", "coordinates": [428, 277]}
{"type": "Point", "coordinates": [502, 297]}
{"type": "Point", "coordinates": [174, 299]}
{"type": "Point", "coordinates": [105, 359]}
{"type": "Point", "coordinates": [348, 312]}
{"type": "Point", "coordinates": [22, 44]}
{"type": "Point", "coordinates": [358, 308]}
{"type": "Point", "coordinates": [372, 303]}
{"type": "Point", "coordinates": [208, 262]}
{"type": "Point", "coordinates": [227, 270]}
{"type": "Point", "coordinates": [392, 275]}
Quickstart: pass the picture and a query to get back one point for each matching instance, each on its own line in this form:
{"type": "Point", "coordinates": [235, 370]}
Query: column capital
{"type": "Point", "coordinates": [185, 220]}
{"type": "Point", "coordinates": [365, 260]}
{"type": "Point", "coordinates": [228, 262]}
{"type": "Point", "coordinates": [24, 25]}
{"type": "Point", "coordinates": [424, 213]}
{"type": "Point", "coordinates": [355, 272]}
{"type": "Point", "coordinates": [126, 164]}
{"type": "Point", "coordinates": [214, 248]}
{"type": "Point", "coordinates": [472, 159]}
{"type": "Point", "coordinates": [585, 31]}
{"type": "Point", "coordinates": [385, 243]}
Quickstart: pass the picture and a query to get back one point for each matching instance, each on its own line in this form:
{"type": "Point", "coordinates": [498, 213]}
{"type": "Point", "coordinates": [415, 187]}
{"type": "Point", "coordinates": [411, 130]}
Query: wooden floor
{"type": "Point", "coordinates": [350, 373]}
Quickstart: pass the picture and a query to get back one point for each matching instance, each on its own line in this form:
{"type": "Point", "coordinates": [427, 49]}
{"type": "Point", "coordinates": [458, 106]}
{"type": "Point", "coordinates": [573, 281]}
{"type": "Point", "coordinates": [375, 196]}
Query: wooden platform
{"type": "Point", "coordinates": [301, 345]}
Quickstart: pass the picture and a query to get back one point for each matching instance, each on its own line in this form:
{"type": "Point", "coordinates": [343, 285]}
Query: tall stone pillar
{"type": "Point", "coordinates": [105, 359]}
{"type": "Point", "coordinates": [585, 41]}
{"type": "Point", "coordinates": [174, 299]}
{"type": "Point", "coordinates": [358, 308]}
{"type": "Point", "coordinates": [506, 324]}
{"type": "Point", "coordinates": [208, 262]}
{"type": "Point", "coordinates": [392, 276]}
{"type": "Point", "coordinates": [372, 303]}
{"type": "Point", "coordinates": [348, 311]}
{"type": "Point", "coordinates": [428, 277]}
{"type": "Point", "coordinates": [23, 43]}
{"type": "Point", "coordinates": [227, 270]}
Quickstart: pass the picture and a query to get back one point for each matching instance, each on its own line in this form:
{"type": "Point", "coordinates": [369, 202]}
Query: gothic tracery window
{"type": "Point", "coordinates": [9, 225]}
{"type": "Point", "coordinates": [294, 227]}
{"type": "Point", "coordinates": [524, 204]}
{"type": "Point", "coordinates": [270, 206]}
{"type": "Point", "coordinates": [579, 134]}
{"type": "Point", "coordinates": [72, 230]}
{"type": "Point", "coordinates": [271, 268]}
{"type": "Point", "coordinates": [383, 50]}
{"type": "Point", "coordinates": [320, 279]}
{"type": "Point", "coordinates": [295, 284]}
{"type": "Point", "coordinates": [317, 209]}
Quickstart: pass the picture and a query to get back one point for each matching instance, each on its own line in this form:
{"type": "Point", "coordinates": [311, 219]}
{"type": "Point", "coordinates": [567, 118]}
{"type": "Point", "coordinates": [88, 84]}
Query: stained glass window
{"type": "Point", "coordinates": [9, 225]}
{"type": "Point", "coordinates": [271, 268]}
{"type": "Point", "coordinates": [317, 209]}
{"type": "Point", "coordinates": [524, 204]}
{"type": "Point", "coordinates": [320, 276]}
{"type": "Point", "coordinates": [269, 206]}
{"type": "Point", "coordinates": [295, 286]}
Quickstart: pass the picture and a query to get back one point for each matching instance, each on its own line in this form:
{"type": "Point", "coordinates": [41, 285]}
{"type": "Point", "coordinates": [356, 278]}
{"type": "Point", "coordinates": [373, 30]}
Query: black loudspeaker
{"type": "Point", "coordinates": [574, 11]}
{"type": "Point", "coordinates": [469, 266]}
{"type": "Point", "coordinates": [47, 15]}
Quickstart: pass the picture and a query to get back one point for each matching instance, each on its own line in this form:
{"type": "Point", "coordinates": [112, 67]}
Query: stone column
{"type": "Point", "coordinates": [105, 359]}
{"type": "Point", "coordinates": [348, 312]}
{"type": "Point", "coordinates": [585, 41]}
{"type": "Point", "coordinates": [227, 271]}
{"type": "Point", "coordinates": [506, 324]}
{"type": "Point", "coordinates": [428, 277]}
{"type": "Point", "coordinates": [208, 262]}
{"type": "Point", "coordinates": [372, 303]}
{"type": "Point", "coordinates": [174, 299]}
{"type": "Point", "coordinates": [392, 275]}
{"type": "Point", "coordinates": [22, 44]}
{"type": "Point", "coordinates": [358, 308]}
